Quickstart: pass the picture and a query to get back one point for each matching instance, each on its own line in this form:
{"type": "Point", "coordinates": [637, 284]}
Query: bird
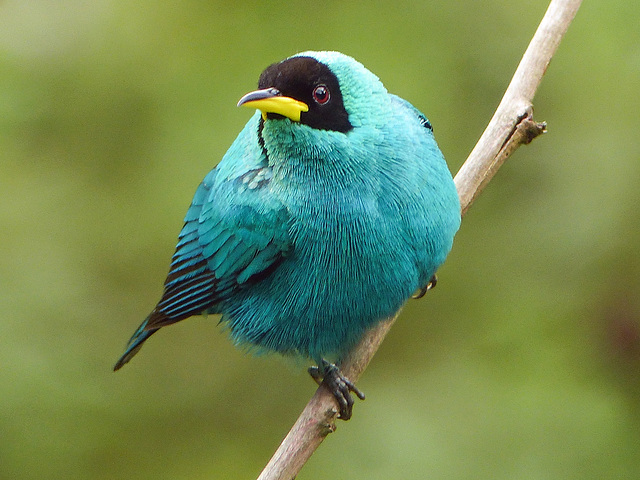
{"type": "Point", "coordinates": [331, 208]}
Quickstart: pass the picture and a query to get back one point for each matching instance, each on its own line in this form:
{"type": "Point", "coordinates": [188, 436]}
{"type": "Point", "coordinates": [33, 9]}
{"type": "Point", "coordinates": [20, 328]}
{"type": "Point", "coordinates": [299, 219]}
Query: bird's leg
{"type": "Point", "coordinates": [432, 284]}
{"type": "Point", "coordinates": [329, 375]}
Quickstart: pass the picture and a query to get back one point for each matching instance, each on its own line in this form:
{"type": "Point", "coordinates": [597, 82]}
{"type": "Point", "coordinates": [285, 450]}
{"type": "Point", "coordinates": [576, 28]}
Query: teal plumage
{"type": "Point", "coordinates": [310, 231]}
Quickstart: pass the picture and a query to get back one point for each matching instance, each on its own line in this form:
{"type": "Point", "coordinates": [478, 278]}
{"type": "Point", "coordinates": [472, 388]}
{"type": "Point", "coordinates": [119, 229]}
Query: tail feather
{"type": "Point", "coordinates": [135, 343]}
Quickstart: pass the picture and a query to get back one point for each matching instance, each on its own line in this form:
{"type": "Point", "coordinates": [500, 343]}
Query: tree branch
{"type": "Point", "coordinates": [511, 126]}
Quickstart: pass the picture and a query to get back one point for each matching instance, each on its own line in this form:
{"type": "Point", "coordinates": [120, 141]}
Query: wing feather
{"type": "Point", "coordinates": [230, 238]}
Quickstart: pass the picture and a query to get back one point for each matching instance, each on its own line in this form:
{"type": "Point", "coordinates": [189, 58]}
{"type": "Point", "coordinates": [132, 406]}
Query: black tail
{"type": "Point", "coordinates": [135, 343]}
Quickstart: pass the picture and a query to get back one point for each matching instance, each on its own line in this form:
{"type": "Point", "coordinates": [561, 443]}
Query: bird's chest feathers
{"type": "Point", "coordinates": [328, 203]}
{"type": "Point", "coordinates": [331, 228]}
{"type": "Point", "coordinates": [331, 189]}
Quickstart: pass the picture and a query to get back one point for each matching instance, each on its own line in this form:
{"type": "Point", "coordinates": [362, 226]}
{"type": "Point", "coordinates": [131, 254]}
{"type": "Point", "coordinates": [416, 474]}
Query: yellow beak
{"type": "Point", "coordinates": [270, 100]}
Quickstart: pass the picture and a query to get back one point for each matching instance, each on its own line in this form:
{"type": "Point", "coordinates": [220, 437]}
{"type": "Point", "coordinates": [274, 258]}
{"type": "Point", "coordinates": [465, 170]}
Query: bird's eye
{"type": "Point", "coordinates": [321, 94]}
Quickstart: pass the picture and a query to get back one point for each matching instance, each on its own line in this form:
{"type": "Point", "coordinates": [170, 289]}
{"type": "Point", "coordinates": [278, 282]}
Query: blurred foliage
{"type": "Point", "coordinates": [523, 363]}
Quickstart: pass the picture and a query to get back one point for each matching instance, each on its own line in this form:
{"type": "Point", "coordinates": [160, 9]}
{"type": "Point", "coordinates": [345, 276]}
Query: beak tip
{"type": "Point", "coordinates": [271, 100]}
{"type": "Point", "coordinates": [258, 95]}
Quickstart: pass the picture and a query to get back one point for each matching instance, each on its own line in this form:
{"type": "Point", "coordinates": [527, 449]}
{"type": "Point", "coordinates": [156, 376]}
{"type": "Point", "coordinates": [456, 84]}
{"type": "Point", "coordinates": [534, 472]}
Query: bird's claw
{"type": "Point", "coordinates": [316, 374]}
{"type": "Point", "coordinates": [429, 286]}
{"type": "Point", "coordinates": [340, 386]}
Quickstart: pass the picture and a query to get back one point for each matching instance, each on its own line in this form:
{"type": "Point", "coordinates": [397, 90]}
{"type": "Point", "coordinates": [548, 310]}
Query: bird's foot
{"type": "Point", "coordinates": [429, 286]}
{"type": "Point", "coordinates": [329, 375]}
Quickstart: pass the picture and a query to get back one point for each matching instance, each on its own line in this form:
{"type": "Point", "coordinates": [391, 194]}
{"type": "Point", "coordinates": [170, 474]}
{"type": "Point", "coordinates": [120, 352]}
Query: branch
{"type": "Point", "coordinates": [511, 126]}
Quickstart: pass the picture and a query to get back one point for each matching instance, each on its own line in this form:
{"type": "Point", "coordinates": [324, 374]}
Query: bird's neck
{"type": "Point", "coordinates": [303, 155]}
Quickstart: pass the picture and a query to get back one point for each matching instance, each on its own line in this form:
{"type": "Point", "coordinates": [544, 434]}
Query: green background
{"type": "Point", "coordinates": [524, 362]}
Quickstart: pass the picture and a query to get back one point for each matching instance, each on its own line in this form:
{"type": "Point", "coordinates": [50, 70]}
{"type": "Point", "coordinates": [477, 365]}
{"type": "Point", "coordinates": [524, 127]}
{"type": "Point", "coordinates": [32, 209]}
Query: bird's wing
{"type": "Point", "coordinates": [420, 117]}
{"type": "Point", "coordinates": [234, 233]}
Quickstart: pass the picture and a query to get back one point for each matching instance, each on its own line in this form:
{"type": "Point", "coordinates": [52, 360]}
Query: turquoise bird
{"type": "Point", "coordinates": [330, 209]}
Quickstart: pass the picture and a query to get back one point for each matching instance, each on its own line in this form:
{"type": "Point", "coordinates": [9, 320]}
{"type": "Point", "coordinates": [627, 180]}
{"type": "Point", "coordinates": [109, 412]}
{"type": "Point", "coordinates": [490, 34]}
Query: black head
{"type": "Point", "coordinates": [313, 83]}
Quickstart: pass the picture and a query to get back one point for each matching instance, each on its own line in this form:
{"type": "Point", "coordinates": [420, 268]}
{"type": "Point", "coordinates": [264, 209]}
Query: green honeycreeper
{"type": "Point", "coordinates": [330, 209]}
